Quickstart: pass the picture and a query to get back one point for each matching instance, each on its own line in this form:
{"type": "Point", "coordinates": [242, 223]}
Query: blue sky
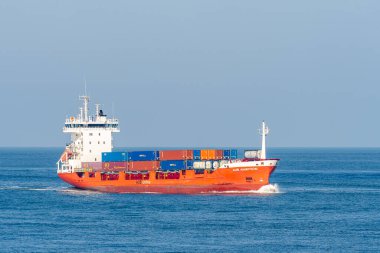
{"type": "Point", "coordinates": [193, 73]}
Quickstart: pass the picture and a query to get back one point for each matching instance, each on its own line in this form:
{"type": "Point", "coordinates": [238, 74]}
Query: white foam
{"type": "Point", "coordinates": [23, 188]}
{"type": "Point", "coordinates": [74, 191]}
{"type": "Point", "coordinates": [264, 190]}
{"type": "Point", "coordinates": [270, 188]}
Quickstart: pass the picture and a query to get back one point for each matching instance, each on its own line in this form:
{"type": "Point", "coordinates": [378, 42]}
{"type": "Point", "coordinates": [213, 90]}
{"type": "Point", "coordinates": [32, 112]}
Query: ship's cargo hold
{"type": "Point", "coordinates": [197, 154]}
{"type": "Point", "coordinates": [252, 153]}
{"type": "Point", "coordinates": [92, 166]}
{"type": "Point", "coordinates": [143, 165]}
{"type": "Point", "coordinates": [114, 156]}
{"type": "Point", "coordinates": [176, 155]}
{"type": "Point", "coordinates": [143, 156]}
{"type": "Point", "coordinates": [114, 166]}
{"type": "Point", "coordinates": [173, 165]}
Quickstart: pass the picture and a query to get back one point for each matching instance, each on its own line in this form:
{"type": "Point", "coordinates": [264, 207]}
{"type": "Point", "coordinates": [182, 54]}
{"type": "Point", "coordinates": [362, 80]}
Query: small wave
{"type": "Point", "coordinates": [23, 188]}
{"type": "Point", "coordinates": [74, 191]}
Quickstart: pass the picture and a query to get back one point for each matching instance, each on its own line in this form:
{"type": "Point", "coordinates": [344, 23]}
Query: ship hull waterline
{"type": "Point", "coordinates": [233, 180]}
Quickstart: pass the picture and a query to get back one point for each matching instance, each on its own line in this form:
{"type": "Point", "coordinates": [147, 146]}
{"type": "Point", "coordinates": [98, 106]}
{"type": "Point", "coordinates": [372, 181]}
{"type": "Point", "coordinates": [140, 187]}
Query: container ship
{"type": "Point", "coordinates": [90, 163]}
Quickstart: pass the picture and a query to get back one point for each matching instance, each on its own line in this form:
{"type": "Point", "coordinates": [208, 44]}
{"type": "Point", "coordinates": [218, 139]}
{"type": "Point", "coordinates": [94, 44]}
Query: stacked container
{"type": "Point", "coordinates": [197, 154]}
{"type": "Point", "coordinates": [229, 154]}
{"type": "Point", "coordinates": [166, 155]}
{"type": "Point", "coordinates": [114, 156]}
{"type": "Point", "coordinates": [143, 165]}
{"type": "Point", "coordinates": [143, 156]}
{"type": "Point", "coordinates": [114, 166]}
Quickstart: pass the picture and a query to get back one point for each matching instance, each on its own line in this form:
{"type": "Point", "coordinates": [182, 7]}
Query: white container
{"type": "Point", "coordinates": [209, 165]}
{"type": "Point", "coordinates": [199, 165]}
{"type": "Point", "coordinates": [222, 163]}
{"type": "Point", "coordinates": [215, 165]}
{"type": "Point", "coordinates": [252, 153]}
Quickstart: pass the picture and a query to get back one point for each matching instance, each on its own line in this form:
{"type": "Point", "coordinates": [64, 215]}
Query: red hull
{"type": "Point", "coordinates": [221, 180]}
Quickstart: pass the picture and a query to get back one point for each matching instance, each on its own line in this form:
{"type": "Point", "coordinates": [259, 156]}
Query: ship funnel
{"type": "Point", "coordinates": [264, 132]}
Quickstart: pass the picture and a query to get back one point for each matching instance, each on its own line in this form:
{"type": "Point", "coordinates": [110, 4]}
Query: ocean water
{"type": "Point", "coordinates": [320, 200]}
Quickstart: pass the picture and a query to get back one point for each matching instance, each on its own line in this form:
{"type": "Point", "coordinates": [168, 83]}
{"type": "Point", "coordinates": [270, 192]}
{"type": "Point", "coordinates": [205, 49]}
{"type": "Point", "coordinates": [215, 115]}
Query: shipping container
{"type": "Point", "coordinates": [115, 166]}
{"type": "Point", "coordinates": [176, 155]}
{"type": "Point", "coordinates": [143, 156]}
{"type": "Point", "coordinates": [92, 166]}
{"type": "Point", "coordinates": [173, 165]}
{"type": "Point", "coordinates": [197, 154]}
{"type": "Point", "coordinates": [199, 165]}
{"type": "Point", "coordinates": [203, 164]}
{"type": "Point", "coordinates": [114, 156]}
{"type": "Point", "coordinates": [218, 154]}
{"type": "Point", "coordinates": [215, 165]}
{"type": "Point", "coordinates": [208, 154]}
{"type": "Point", "coordinates": [143, 165]}
{"type": "Point", "coordinates": [226, 154]}
{"type": "Point", "coordinates": [189, 164]}
{"type": "Point", "coordinates": [222, 163]}
{"type": "Point", "coordinates": [234, 154]}
{"type": "Point", "coordinates": [252, 153]}
{"type": "Point", "coordinates": [229, 154]}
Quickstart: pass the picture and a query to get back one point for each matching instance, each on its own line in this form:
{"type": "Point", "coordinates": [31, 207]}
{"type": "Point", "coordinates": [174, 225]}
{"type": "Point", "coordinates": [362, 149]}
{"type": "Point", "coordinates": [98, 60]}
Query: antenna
{"type": "Point", "coordinates": [113, 110]}
{"type": "Point", "coordinates": [85, 99]}
{"type": "Point", "coordinates": [85, 85]}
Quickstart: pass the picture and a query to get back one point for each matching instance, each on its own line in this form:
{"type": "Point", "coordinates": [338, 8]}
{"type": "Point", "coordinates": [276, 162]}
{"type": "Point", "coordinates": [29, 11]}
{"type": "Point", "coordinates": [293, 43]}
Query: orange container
{"type": "Point", "coordinates": [208, 154]}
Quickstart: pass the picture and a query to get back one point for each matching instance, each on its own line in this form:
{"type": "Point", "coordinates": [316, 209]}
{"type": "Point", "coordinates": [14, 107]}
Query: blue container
{"type": "Point", "coordinates": [234, 154]}
{"type": "Point", "coordinates": [229, 154]}
{"type": "Point", "coordinates": [189, 164]}
{"type": "Point", "coordinates": [173, 165]}
{"type": "Point", "coordinates": [197, 154]}
{"type": "Point", "coordinates": [114, 156]}
{"type": "Point", "coordinates": [226, 154]}
{"type": "Point", "coordinates": [143, 156]}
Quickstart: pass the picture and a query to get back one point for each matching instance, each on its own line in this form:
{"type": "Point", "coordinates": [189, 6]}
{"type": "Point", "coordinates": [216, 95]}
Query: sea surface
{"type": "Point", "coordinates": [320, 200]}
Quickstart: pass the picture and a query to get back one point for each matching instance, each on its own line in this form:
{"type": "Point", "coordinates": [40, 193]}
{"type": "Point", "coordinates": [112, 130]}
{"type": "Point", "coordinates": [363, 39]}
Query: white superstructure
{"type": "Point", "coordinates": [90, 136]}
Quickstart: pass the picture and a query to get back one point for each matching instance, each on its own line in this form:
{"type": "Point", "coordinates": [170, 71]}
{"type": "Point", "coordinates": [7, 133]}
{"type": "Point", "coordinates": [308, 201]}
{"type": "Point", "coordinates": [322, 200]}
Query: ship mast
{"type": "Point", "coordinates": [264, 131]}
{"type": "Point", "coordinates": [85, 99]}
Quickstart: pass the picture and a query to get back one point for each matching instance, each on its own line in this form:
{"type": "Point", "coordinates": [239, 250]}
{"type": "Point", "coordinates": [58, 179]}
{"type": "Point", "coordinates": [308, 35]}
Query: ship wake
{"type": "Point", "coordinates": [264, 190]}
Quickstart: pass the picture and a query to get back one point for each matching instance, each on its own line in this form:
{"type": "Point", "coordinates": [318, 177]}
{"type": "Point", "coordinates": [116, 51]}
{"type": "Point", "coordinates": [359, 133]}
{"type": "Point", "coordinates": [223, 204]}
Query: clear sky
{"type": "Point", "coordinates": [193, 73]}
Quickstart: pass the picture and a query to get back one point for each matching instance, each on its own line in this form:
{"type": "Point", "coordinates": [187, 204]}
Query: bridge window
{"type": "Point", "coordinates": [90, 134]}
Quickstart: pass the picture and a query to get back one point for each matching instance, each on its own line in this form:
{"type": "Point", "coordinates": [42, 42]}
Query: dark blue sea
{"type": "Point", "coordinates": [320, 200]}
